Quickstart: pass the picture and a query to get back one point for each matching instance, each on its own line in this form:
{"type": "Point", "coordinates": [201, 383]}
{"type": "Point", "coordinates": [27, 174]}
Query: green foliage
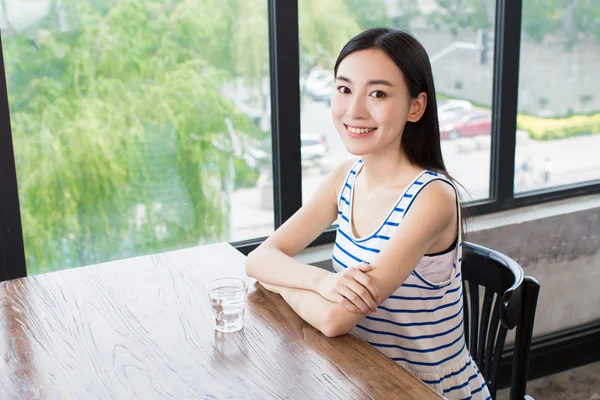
{"type": "Point", "coordinates": [245, 177]}
{"type": "Point", "coordinates": [461, 14]}
{"type": "Point", "coordinates": [541, 17]}
{"type": "Point", "coordinates": [325, 27]}
{"type": "Point", "coordinates": [409, 10]}
{"type": "Point", "coordinates": [368, 13]}
{"type": "Point", "coordinates": [119, 131]}
{"type": "Point", "coordinates": [586, 99]}
{"type": "Point", "coordinates": [253, 60]}
{"type": "Point", "coordinates": [569, 20]}
{"type": "Point", "coordinates": [557, 128]}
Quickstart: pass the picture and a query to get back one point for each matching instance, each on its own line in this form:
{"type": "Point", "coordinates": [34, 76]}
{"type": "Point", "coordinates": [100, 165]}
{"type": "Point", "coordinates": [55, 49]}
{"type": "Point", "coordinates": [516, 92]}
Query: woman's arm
{"type": "Point", "coordinates": [310, 306]}
{"type": "Point", "coordinates": [272, 262]}
{"type": "Point", "coordinates": [316, 310]}
{"type": "Point", "coordinates": [420, 230]}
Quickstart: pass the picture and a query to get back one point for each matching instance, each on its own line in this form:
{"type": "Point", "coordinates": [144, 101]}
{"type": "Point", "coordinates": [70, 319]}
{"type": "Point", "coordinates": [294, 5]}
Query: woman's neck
{"type": "Point", "coordinates": [387, 170]}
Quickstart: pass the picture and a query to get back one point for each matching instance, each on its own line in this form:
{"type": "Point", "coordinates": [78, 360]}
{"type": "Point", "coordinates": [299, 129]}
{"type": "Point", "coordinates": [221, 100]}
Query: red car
{"type": "Point", "coordinates": [473, 124]}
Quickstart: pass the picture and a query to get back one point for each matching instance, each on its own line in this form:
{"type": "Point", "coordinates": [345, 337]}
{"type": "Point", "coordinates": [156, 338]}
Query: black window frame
{"type": "Point", "coordinates": [285, 121]}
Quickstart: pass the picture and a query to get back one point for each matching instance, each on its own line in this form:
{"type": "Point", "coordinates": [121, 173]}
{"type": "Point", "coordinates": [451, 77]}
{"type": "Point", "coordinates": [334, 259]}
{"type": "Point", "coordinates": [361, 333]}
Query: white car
{"type": "Point", "coordinates": [313, 147]}
{"type": "Point", "coordinates": [452, 110]}
{"type": "Point", "coordinates": [319, 84]}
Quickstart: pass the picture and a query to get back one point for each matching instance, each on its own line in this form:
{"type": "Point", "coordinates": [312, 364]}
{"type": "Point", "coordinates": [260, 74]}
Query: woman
{"type": "Point", "coordinates": [398, 250]}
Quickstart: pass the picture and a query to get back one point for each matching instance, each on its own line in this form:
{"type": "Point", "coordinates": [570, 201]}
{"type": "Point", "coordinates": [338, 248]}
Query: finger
{"type": "Point", "coordinates": [354, 299]}
{"type": "Point", "coordinates": [341, 300]}
{"type": "Point", "coordinates": [368, 283]}
{"type": "Point", "coordinates": [364, 267]}
{"type": "Point", "coordinates": [364, 294]}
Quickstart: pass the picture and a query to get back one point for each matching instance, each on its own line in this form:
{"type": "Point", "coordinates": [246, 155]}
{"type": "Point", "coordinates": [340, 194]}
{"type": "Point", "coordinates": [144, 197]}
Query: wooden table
{"type": "Point", "coordinates": [142, 328]}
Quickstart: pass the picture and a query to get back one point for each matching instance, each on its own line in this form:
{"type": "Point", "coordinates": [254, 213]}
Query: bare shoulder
{"type": "Point", "coordinates": [342, 169]}
{"type": "Point", "coordinates": [340, 172]}
{"type": "Point", "coordinates": [328, 191]}
{"type": "Point", "coordinates": [437, 198]}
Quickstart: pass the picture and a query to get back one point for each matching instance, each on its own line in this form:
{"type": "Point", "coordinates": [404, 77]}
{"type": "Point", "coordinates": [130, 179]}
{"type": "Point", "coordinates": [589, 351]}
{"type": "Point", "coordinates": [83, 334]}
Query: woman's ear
{"type": "Point", "coordinates": [417, 107]}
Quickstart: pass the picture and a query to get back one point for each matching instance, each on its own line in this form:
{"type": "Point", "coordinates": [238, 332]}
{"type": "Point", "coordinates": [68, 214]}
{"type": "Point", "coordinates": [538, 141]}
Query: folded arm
{"type": "Point", "coordinates": [434, 213]}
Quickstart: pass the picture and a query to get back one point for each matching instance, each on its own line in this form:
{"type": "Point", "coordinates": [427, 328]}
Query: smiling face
{"type": "Point", "coordinates": [371, 103]}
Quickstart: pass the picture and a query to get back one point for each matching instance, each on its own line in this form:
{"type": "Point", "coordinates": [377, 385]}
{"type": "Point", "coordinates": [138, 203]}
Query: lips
{"type": "Point", "coordinates": [359, 132]}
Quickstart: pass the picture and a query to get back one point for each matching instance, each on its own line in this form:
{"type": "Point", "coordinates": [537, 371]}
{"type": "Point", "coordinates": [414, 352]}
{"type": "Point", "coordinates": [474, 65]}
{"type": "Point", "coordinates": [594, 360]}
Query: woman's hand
{"type": "Point", "coordinates": [352, 288]}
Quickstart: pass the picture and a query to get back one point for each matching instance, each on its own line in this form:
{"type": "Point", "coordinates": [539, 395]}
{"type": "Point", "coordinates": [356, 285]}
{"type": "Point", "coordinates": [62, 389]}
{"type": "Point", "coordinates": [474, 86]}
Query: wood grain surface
{"type": "Point", "coordinates": [142, 328]}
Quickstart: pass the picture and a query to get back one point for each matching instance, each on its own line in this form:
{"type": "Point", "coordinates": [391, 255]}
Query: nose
{"type": "Point", "coordinates": [357, 108]}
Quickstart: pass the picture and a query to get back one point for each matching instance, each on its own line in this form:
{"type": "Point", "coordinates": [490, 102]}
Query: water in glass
{"type": "Point", "coordinates": [228, 300]}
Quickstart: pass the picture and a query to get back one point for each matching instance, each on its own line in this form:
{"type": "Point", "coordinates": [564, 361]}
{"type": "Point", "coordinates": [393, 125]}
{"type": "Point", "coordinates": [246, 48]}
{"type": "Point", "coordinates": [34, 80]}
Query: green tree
{"type": "Point", "coordinates": [568, 20]}
{"type": "Point", "coordinates": [409, 10]}
{"type": "Point", "coordinates": [120, 130]}
{"type": "Point", "coordinates": [369, 13]}
{"type": "Point", "coordinates": [541, 17]}
{"type": "Point", "coordinates": [586, 18]}
{"type": "Point", "coordinates": [325, 27]}
{"type": "Point", "coordinates": [461, 14]}
{"type": "Point", "coordinates": [250, 18]}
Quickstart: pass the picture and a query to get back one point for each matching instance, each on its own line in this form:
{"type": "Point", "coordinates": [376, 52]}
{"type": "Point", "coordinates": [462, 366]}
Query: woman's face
{"type": "Point", "coordinates": [371, 103]}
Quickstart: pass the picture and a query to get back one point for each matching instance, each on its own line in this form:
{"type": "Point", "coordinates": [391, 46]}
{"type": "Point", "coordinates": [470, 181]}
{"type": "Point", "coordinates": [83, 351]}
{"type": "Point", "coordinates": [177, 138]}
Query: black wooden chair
{"type": "Point", "coordinates": [486, 325]}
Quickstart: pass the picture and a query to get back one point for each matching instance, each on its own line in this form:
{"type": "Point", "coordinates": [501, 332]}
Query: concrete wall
{"type": "Point", "coordinates": [563, 253]}
{"type": "Point", "coordinates": [547, 71]}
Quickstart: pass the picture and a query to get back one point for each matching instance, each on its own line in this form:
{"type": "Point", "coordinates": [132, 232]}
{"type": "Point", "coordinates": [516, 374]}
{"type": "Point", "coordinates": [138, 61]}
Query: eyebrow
{"type": "Point", "coordinates": [371, 82]}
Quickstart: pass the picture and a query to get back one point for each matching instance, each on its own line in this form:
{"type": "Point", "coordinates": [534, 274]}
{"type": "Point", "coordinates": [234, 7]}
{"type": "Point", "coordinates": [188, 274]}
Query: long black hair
{"type": "Point", "coordinates": [421, 139]}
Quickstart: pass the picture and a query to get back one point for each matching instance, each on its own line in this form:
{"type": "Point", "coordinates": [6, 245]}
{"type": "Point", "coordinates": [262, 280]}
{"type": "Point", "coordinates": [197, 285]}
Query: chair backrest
{"type": "Point", "coordinates": [508, 300]}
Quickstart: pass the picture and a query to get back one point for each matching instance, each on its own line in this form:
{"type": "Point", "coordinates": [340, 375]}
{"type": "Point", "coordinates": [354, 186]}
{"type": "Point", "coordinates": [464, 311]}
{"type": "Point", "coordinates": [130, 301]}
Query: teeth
{"type": "Point", "coordinates": [359, 131]}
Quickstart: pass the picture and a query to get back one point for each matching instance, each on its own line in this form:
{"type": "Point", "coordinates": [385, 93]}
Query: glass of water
{"type": "Point", "coordinates": [228, 299]}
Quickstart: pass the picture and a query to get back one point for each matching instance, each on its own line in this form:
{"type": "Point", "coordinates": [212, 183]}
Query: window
{"type": "Point", "coordinates": [559, 103]}
{"type": "Point", "coordinates": [460, 45]}
{"type": "Point", "coordinates": [138, 126]}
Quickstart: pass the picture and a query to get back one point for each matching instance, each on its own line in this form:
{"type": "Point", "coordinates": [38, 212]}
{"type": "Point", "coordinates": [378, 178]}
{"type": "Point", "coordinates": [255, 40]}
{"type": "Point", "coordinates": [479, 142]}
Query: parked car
{"type": "Point", "coordinates": [313, 147]}
{"type": "Point", "coordinates": [319, 85]}
{"type": "Point", "coordinates": [452, 110]}
{"type": "Point", "coordinates": [473, 124]}
{"type": "Point", "coordinates": [324, 93]}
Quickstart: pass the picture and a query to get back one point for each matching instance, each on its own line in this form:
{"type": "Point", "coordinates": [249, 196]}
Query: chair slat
{"type": "Point", "coordinates": [466, 315]}
{"type": "Point", "coordinates": [491, 340]}
{"type": "Point", "coordinates": [496, 360]}
{"type": "Point", "coordinates": [484, 323]}
{"type": "Point", "coordinates": [474, 322]}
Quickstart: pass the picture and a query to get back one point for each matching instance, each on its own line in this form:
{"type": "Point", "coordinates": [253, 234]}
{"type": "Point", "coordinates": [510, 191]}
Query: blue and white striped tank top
{"type": "Point", "coordinates": [420, 325]}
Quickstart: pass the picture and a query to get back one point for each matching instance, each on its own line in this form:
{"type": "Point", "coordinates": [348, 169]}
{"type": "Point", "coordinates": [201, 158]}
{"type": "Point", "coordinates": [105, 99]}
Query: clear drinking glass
{"type": "Point", "coordinates": [228, 299]}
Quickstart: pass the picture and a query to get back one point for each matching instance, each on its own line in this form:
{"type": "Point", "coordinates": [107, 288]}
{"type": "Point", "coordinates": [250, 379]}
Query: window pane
{"type": "Point", "coordinates": [559, 102]}
{"type": "Point", "coordinates": [459, 41]}
{"type": "Point", "coordinates": [139, 126]}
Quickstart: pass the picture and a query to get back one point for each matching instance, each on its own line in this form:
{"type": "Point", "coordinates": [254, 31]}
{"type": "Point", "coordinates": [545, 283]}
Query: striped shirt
{"type": "Point", "coordinates": [420, 325]}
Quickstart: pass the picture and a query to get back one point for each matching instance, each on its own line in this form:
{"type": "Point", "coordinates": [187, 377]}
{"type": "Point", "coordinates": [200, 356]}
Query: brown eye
{"type": "Point", "coordinates": [343, 89]}
{"type": "Point", "coordinates": [378, 94]}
